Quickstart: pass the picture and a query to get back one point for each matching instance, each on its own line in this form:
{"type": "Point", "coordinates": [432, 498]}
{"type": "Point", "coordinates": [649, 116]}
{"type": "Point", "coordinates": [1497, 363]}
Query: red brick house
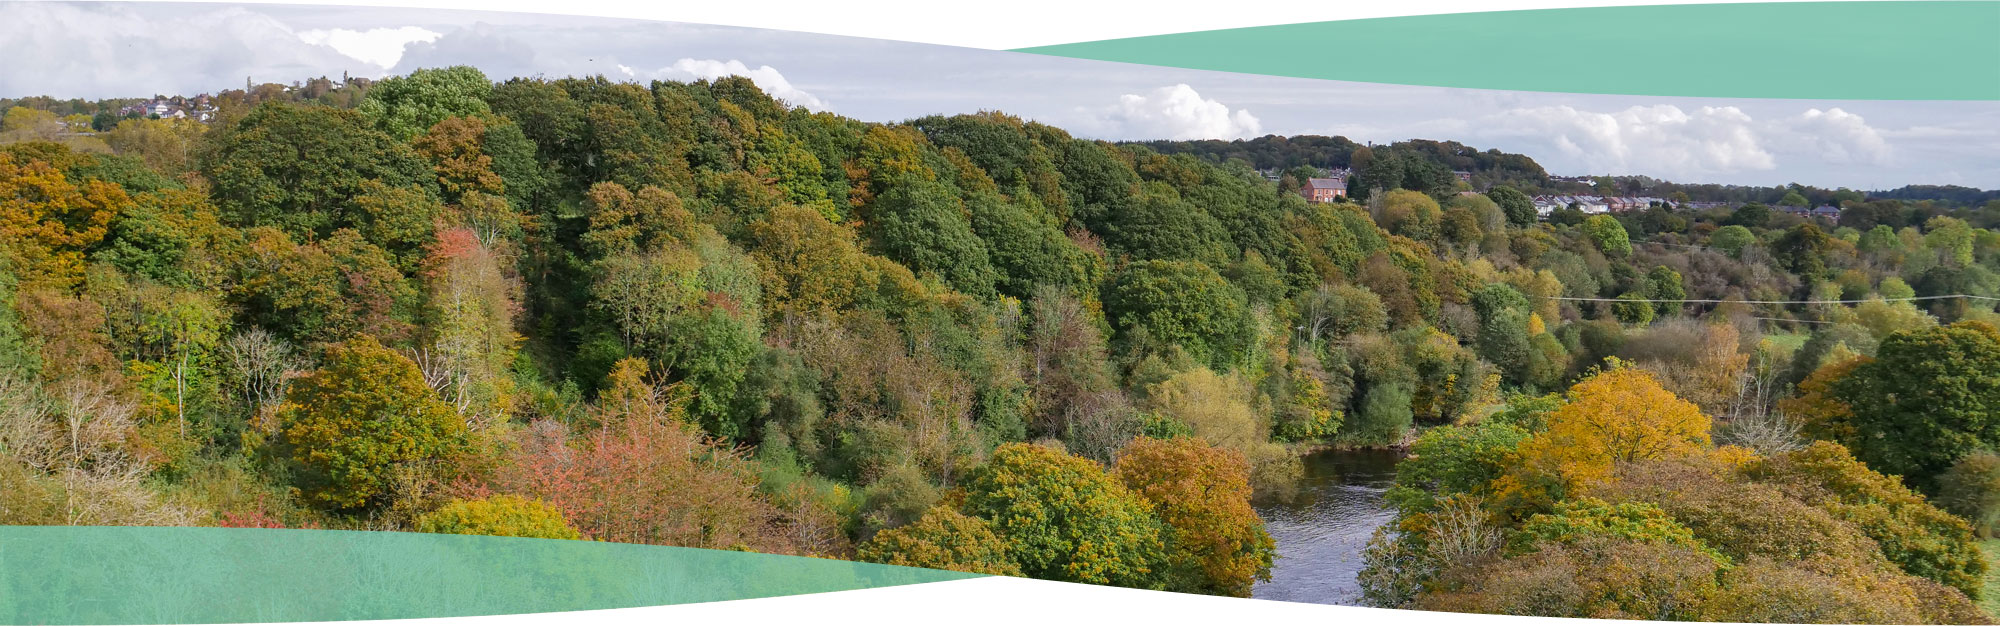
{"type": "Point", "coordinates": [1324, 189]}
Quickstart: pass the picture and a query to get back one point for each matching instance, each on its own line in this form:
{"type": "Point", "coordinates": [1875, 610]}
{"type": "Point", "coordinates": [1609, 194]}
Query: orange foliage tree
{"type": "Point", "coordinates": [1202, 493]}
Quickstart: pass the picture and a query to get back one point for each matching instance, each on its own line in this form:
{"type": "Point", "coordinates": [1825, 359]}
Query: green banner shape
{"type": "Point", "coordinates": [1802, 50]}
{"type": "Point", "coordinates": [132, 575]}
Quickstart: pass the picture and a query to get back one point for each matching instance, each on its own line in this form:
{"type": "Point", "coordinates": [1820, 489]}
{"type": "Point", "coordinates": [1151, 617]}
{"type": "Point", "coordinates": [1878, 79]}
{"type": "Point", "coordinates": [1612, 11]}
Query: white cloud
{"type": "Point", "coordinates": [766, 77]}
{"type": "Point", "coordinates": [1660, 139]}
{"type": "Point", "coordinates": [1837, 136]}
{"type": "Point", "coordinates": [1695, 144]}
{"type": "Point", "coordinates": [1175, 112]}
{"type": "Point", "coordinates": [381, 46]}
{"type": "Point", "coordinates": [92, 50]}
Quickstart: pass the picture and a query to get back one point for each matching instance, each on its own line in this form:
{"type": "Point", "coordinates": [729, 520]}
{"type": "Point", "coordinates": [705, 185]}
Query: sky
{"type": "Point", "coordinates": [101, 50]}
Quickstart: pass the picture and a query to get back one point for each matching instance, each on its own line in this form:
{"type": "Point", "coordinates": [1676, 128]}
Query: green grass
{"type": "Point", "coordinates": [1787, 342]}
{"type": "Point", "coordinates": [1989, 600]}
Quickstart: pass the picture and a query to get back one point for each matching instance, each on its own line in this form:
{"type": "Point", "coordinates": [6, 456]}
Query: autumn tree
{"type": "Point", "coordinates": [359, 420]}
{"type": "Point", "coordinates": [1202, 493]}
{"type": "Point", "coordinates": [47, 221]}
{"type": "Point", "coordinates": [1618, 415]}
{"type": "Point", "coordinates": [638, 472]}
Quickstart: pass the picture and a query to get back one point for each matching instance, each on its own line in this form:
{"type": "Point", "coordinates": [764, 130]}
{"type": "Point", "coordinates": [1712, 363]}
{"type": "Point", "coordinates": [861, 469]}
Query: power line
{"type": "Point", "coordinates": [1787, 319]}
{"type": "Point", "coordinates": [1704, 301]}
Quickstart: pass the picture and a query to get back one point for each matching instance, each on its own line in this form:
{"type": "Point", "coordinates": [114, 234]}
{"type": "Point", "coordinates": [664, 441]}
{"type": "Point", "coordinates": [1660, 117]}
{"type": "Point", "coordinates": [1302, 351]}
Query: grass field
{"type": "Point", "coordinates": [1990, 596]}
{"type": "Point", "coordinates": [1787, 342]}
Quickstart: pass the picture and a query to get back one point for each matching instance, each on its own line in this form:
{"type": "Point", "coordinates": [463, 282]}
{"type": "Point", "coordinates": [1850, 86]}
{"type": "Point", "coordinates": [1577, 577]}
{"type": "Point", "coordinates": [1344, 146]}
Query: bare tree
{"type": "Point", "coordinates": [261, 364]}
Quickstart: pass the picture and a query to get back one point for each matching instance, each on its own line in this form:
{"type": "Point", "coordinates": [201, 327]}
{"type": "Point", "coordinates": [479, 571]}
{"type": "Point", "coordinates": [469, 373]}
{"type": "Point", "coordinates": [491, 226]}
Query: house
{"type": "Point", "coordinates": [1544, 205]}
{"type": "Point", "coordinates": [1463, 176]}
{"type": "Point", "coordinates": [1827, 211]}
{"type": "Point", "coordinates": [1590, 205]}
{"type": "Point", "coordinates": [1325, 189]}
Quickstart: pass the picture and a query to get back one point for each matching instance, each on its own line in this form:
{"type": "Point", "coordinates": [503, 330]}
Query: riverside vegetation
{"type": "Point", "coordinates": [688, 314]}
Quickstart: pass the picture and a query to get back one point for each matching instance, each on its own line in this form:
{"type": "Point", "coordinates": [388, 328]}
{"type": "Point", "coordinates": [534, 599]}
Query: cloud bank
{"type": "Point", "coordinates": [1175, 112]}
{"type": "Point", "coordinates": [380, 46]}
{"type": "Point", "coordinates": [1685, 144]}
{"type": "Point", "coordinates": [93, 51]}
{"type": "Point", "coordinates": [766, 77]}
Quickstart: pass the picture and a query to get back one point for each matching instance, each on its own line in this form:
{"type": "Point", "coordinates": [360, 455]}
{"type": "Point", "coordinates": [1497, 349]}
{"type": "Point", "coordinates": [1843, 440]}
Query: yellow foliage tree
{"type": "Point", "coordinates": [46, 221]}
{"type": "Point", "coordinates": [1619, 415]}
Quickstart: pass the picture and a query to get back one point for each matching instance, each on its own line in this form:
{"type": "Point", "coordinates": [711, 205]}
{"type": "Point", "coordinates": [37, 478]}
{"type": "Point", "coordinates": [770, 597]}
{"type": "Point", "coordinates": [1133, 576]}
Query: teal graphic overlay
{"type": "Point", "coordinates": [1808, 50]}
{"type": "Point", "coordinates": [129, 575]}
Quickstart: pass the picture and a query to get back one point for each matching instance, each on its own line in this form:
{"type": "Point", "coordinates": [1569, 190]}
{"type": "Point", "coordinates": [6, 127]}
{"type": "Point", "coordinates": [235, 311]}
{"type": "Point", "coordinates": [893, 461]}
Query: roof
{"type": "Point", "coordinates": [1326, 182]}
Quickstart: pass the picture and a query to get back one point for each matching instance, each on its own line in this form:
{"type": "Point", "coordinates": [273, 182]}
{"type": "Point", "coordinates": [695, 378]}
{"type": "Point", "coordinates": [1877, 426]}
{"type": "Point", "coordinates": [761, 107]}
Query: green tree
{"type": "Point", "coordinates": [1663, 283]}
{"type": "Point", "coordinates": [1928, 398]}
{"type": "Point", "coordinates": [1803, 250]}
{"type": "Point", "coordinates": [407, 106]}
{"type": "Point", "coordinates": [1732, 239]}
{"type": "Point", "coordinates": [1183, 303]}
{"type": "Point", "coordinates": [920, 224]}
{"type": "Point", "coordinates": [1451, 460]}
{"type": "Point", "coordinates": [304, 169]}
{"type": "Point", "coordinates": [1608, 235]}
{"type": "Point", "coordinates": [1519, 207]}
{"type": "Point", "coordinates": [1065, 519]}
{"type": "Point", "coordinates": [1971, 489]}
{"type": "Point", "coordinates": [1632, 308]}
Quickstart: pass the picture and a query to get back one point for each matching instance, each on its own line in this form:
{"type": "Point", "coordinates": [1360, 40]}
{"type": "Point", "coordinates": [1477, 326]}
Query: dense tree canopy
{"type": "Point", "coordinates": [688, 313]}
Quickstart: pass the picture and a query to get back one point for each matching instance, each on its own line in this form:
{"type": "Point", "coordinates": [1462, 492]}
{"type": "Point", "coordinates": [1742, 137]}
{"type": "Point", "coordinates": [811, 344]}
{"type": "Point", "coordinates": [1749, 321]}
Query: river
{"type": "Point", "coordinates": [1323, 525]}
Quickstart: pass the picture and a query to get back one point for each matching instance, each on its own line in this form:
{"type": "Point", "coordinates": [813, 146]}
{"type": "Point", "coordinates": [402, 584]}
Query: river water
{"type": "Point", "coordinates": [1322, 526]}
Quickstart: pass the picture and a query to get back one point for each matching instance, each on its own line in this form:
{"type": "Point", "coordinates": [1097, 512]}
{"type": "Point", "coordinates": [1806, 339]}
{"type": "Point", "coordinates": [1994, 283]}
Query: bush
{"type": "Point", "coordinates": [1598, 577]}
{"type": "Point", "coordinates": [943, 538]}
{"type": "Point", "coordinates": [499, 516]}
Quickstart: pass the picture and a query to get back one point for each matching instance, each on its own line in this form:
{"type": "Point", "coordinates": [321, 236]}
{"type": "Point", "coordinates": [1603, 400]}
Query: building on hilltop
{"type": "Point", "coordinates": [1329, 189]}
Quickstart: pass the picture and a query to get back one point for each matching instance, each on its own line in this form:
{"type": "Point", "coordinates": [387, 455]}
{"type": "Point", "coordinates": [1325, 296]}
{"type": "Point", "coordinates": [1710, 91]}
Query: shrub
{"type": "Point", "coordinates": [499, 516]}
{"type": "Point", "coordinates": [943, 538]}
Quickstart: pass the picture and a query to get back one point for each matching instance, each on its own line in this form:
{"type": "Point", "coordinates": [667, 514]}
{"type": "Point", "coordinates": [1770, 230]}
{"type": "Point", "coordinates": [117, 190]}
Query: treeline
{"type": "Point", "coordinates": [1310, 155]}
{"type": "Point", "coordinates": [104, 115]}
{"type": "Point", "coordinates": [689, 314]}
{"type": "Point", "coordinates": [1419, 164]}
